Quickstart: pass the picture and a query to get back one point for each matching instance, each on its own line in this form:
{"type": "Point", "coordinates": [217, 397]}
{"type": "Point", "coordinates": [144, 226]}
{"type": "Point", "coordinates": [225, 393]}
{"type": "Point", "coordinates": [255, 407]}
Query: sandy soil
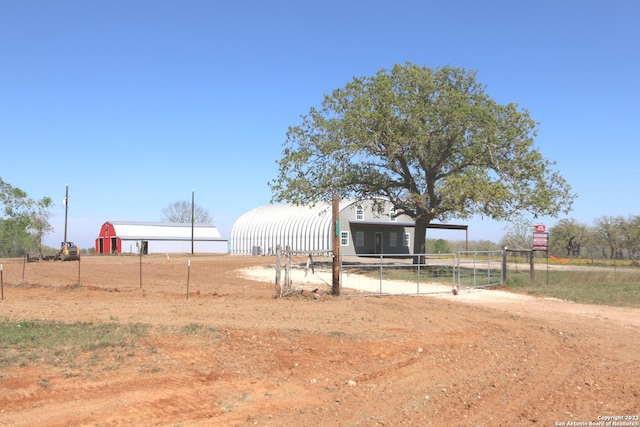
{"type": "Point", "coordinates": [482, 358]}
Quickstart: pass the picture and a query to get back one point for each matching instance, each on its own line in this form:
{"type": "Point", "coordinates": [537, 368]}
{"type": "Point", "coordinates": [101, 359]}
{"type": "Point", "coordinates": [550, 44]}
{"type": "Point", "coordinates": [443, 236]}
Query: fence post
{"type": "Point", "coordinates": [532, 270]}
{"type": "Point", "coordinates": [287, 270]}
{"type": "Point", "coordinates": [278, 267]}
{"type": "Point", "coordinates": [335, 274]}
{"type": "Point", "coordinates": [504, 265]}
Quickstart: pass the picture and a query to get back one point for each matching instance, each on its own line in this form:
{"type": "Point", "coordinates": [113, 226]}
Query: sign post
{"type": "Point", "coordinates": [541, 243]}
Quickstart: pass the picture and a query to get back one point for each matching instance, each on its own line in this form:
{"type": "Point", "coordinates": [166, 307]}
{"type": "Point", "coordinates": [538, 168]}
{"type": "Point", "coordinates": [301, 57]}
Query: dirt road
{"type": "Point", "coordinates": [311, 359]}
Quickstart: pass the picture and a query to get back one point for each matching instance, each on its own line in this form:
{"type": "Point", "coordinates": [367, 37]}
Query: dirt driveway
{"type": "Point", "coordinates": [311, 359]}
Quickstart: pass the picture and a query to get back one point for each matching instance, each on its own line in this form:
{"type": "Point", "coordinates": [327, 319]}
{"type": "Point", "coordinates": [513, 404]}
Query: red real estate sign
{"type": "Point", "coordinates": [540, 241]}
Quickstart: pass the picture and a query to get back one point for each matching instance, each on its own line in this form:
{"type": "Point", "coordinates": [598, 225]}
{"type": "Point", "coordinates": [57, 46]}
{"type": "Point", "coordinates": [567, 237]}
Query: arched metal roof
{"type": "Point", "coordinates": [303, 228]}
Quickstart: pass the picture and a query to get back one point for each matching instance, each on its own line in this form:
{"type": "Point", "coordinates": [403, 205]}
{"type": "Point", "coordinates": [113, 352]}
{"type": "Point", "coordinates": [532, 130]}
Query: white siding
{"type": "Point", "coordinates": [168, 237]}
{"type": "Point", "coordinates": [175, 246]}
{"type": "Point", "coordinates": [166, 230]}
{"type": "Point", "coordinates": [303, 228]}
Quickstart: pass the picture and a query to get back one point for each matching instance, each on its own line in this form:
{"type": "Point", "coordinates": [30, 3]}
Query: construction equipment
{"type": "Point", "coordinates": [68, 252]}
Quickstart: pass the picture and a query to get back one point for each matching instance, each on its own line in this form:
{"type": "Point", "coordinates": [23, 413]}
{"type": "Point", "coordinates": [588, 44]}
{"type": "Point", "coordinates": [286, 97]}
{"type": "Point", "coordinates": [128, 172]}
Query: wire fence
{"type": "Point", "coordinates": [382, 274]}
{"type": "Point", "coordinates": [166, 273]}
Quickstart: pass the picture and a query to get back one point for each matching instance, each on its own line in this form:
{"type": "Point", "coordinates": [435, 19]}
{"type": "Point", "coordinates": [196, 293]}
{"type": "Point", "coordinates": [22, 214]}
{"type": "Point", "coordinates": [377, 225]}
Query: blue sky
{"type": "Point", "coordinates": [135, 104]}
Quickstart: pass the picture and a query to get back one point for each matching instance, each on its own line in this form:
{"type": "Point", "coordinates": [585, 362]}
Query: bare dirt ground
{"type": "Point", "coordinates": [312, 359]}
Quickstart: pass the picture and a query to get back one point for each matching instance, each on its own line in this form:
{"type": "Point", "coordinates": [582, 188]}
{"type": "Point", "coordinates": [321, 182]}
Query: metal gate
{"type": "Point", "coordinates": [479, 269]}
{"type": "Point", "coordinates": [392, 274]}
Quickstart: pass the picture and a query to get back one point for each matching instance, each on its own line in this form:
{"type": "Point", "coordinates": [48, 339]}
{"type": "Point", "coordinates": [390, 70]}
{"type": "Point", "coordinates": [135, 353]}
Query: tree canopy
{"type": "Point", "coordinates": [430, 140]}
{"type": "Point", "coordinates": [181, 212]}
{"type": "Point", "coordinates": [23, 221]}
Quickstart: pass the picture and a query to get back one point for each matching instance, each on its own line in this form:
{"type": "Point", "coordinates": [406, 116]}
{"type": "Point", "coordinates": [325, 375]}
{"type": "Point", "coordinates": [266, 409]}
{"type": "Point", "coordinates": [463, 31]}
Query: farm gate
{"type": "Point", "coordinates": [390, 274]}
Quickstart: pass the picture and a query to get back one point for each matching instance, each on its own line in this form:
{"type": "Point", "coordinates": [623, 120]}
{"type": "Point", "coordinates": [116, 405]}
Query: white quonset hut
{"type": "Point", "coordinates": [363, 230]}
{"type": "Point", "coordinates": [118, 237]}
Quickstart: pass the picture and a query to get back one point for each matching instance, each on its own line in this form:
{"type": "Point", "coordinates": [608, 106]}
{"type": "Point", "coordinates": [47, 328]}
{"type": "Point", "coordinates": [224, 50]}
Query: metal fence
{"type": "Point", "coordinates": [390, 274]}
{"type": "Point", "coordinates": [480, 269]}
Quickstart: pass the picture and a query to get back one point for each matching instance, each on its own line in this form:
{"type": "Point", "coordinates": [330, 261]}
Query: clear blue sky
{"type": "Point", "coordinates": [135, 104]}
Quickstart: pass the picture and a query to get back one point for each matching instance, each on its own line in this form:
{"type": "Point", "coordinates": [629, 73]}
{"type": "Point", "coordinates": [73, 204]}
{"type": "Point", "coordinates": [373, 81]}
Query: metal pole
{"type": "Point", "coordinates": [475, 257]}
{"type": "Point", "coordinates": [380, 261]}
{"type": "Point", "coordinates": [418, 278]}
{"type": "Point", "coordinates": [192, 217]}
{"type": "Point", "coordinates": [547, 253]}
{"type": "Point", "coordinates": [188, 276]}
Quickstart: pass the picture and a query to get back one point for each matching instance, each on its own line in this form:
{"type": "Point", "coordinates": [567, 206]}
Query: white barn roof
{"type": "Point", "coordinates": [130, 230]}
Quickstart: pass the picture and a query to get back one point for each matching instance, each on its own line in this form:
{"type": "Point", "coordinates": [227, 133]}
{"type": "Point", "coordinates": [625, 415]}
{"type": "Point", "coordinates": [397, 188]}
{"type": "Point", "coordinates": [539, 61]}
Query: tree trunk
{"type": "Point", "coordinates": [420, 239]}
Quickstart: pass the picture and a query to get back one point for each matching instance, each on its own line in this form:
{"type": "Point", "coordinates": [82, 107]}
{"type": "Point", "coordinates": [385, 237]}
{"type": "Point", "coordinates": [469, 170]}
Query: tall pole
{"type": "Point", "coordinates": [335, 215]}
{"type": "Point", "coordinates": [192, 217]}
{"type": "Point", "coordinates": [66, 211]}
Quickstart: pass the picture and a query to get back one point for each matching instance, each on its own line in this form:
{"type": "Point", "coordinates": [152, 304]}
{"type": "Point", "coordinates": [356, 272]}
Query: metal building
{"type": "Point", "coordinates": [363, 230]}
{"type": "Point", "coordinates": [117, 237]}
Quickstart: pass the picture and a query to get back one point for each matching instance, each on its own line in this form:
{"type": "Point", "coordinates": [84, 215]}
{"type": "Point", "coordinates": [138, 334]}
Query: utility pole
{"type": "Point", "coordinates": [66, 212]}
{"type": "Point", "coordinates": [335, 215]}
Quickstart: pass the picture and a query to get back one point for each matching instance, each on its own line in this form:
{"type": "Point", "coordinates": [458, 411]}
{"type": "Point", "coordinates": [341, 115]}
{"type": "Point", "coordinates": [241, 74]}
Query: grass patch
{"type": "Point", "coordinates": [199, 329]}
{"type": "Point", "coordinates": [615, 288]}
{"type": "Point", "coordinates": [33, 341]}
{"type": "Point", "coordinates": [409, 273]}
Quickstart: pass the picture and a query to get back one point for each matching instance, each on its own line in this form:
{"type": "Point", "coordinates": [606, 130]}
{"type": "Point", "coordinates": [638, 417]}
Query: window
{"type": "Point", "coordinates": [359, 238]}
{"type": "Point", "coordinates": [393, 239]}
{"type": "Point", "coordinates": [392, 215]}
{"type": "Point", "coordinates": [407, 240]}
{"type": "Point", "coordinates": [344, 238]}
{"type": "Point", "coordinates": [359, 213]}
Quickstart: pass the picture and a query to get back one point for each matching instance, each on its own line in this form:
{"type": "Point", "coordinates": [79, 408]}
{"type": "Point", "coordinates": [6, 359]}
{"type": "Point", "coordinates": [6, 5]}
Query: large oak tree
{"type": "Point", "coordinates": [430, 140]}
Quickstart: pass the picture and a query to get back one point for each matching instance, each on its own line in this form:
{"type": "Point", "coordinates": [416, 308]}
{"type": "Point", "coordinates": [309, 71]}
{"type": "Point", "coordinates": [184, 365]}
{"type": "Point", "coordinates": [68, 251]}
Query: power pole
{"type": "Point", "coordinates": [66, 212]}
{"type": "Point", "coordinates": [335, 215]}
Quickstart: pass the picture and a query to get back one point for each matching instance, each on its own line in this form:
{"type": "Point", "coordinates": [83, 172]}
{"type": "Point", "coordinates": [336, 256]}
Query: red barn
{"type": "Point", "coordinates": [118, 237]}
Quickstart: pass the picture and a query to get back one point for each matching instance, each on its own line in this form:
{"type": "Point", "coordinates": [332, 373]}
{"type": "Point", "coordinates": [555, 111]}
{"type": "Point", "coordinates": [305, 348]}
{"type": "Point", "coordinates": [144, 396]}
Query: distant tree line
{"type": "Point", "coordinates": [23, 221]}
{"type": "Point", "coordinates": [608, 238]}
